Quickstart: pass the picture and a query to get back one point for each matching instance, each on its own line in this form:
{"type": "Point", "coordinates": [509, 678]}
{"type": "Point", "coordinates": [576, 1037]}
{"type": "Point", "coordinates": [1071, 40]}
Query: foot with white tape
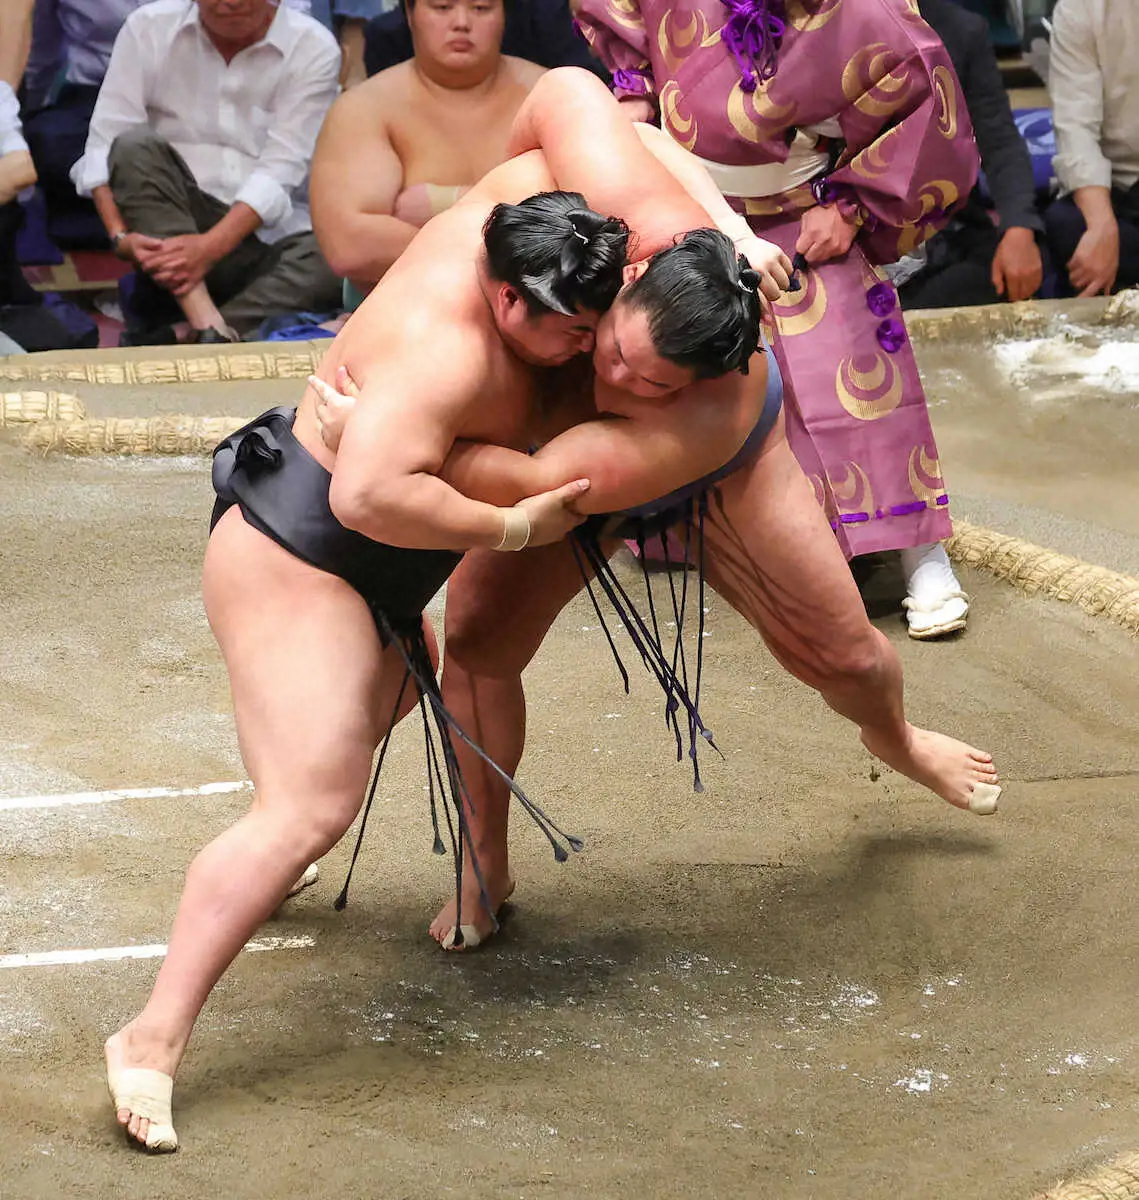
{"type": "Point", "coordinates": [483, 926]}
{"type": "Point", "coordinates": [959, 773]}
{"type": "Point", "coordinates": [309, 876]}
{"type": "Point", "coordinates": [140, 1079]}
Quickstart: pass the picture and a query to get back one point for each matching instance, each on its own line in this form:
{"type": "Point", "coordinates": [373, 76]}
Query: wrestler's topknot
{"type": "Point", "coordinates": [702, 303]}
{"type": "Point", "coordinates": [557, 253]}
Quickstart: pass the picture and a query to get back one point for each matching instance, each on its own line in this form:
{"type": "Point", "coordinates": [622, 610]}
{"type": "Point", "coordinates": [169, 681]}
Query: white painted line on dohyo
{"type": "Point", "coordinates": [68, 799]}
{"type": "Point", "coordinates": [55, 958]}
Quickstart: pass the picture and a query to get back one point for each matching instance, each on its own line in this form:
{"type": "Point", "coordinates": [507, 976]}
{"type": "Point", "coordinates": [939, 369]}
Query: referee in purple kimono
{"type": "Point", "coordinates": [837, 129]}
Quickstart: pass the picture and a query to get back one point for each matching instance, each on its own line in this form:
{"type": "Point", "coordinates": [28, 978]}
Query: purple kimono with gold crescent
{"type": "Point", "coordinates": [869, 88]}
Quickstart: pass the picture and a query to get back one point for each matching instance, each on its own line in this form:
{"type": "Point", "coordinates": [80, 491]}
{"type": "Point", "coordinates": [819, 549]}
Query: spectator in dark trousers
{"type": "Point", "coordinates": [1093, 229]}
{"type": "Point", "coordinates": [973, 260]}
{"type": "Point", "coordinates": [71, 41]}
{"type": "Point", "coordinates": [198, 159]}
{"type": "Point", "coordinates": [541, 31]}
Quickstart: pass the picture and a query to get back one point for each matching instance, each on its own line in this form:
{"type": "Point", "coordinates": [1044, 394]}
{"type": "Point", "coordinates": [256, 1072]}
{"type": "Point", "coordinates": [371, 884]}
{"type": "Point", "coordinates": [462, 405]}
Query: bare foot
{"type": "Point", "coordinates": [140, 1075]}
{"type": "Point", "coordinates": [499, 886]}
{"type": "Point", "coordinates": [958, 773]}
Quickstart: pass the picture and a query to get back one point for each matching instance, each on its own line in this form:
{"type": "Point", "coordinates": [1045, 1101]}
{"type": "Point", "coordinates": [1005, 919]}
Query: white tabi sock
{"type": "Point", "coordinates": [929, 573]}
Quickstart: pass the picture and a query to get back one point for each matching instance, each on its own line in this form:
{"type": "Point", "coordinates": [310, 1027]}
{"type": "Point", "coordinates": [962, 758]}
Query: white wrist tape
{"type": "Point", "coordinates": [516, 529]}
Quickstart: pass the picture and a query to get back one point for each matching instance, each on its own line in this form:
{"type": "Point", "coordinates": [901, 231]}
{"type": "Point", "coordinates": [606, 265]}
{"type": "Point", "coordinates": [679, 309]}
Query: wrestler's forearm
{"type": "Point", "coordinates": [496, 474]}
{"type": "Point", "coordinates": [420, 512]}
{"type": "Point", "coordinates": [631, 463]}
{"type": "Point", "coordinates": [620, 476]}
{"type": "Point", "coordinates": [591, 148]}
{"type": "Point", "coordinates": [695, 180]}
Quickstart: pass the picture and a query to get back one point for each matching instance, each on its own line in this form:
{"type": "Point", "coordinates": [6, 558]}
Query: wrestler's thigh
{"type": "Point", "coordinates": [771, 553]}
{"type": "Point", "coordinates": [305, 664]}
{"type": "Point", "coordinates": [500, 606]}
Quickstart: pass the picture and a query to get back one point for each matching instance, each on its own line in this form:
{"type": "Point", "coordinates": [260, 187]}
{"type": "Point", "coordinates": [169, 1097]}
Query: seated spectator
{"type": "Point", "coordinates": [71, 41]}
{"type": "Point", "coordinates": [16, 169]}
{"type": "Point", "coordinates": [1093, 229]}
{"type": "Point", "coordinates": [540, 31]}
{"type": "Point", "coordinates": [197, 160]}
{"type": "Point", "coordinates": [975, 260]}
{"type": "Point", "coordinates": [28, 320]}
{"type": "Point", "coordinates": [410, 141]}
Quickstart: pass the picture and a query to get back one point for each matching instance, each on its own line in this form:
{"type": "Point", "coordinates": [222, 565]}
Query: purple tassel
{"type": "Point", "coordinates": [630, 81]}
{"type": "Point", "coordinates": [880, 299]}
{"type": "Point", "coordinates": [823, 190]}
{"type": "Point", "coordinates": [753, 34]}
{"type": "Point", "coordinates": [891, 335]}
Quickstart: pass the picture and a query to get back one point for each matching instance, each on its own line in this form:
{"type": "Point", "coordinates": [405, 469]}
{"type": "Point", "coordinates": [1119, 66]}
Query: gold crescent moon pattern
{"type": "Point", "coordinates": [937, 194]}
{"type": "Point", "coordinates": [874, 81]}
{"type": "Point", "coordinates": [852, 489]}
{"type": "Point", "coordinates": [799, 312]}
{"type": "Point", "coordinates": [755, 115]}
{"type": "Point", "coordinates": [877, 159]}
{"type": "Point", "coordinates": [945, 96]}
{"type": "Point", "coordinates": [925, 468]}
{"type": "Point", "coordinates": [677, 41]}
{"type": "Point", "coordinates": [869, 394]}
{"type": "Point", "coordinates": [797, 198]}
{"type": "Point", "coordinates": [808, 21]}
{"type": "Point", "coordinates": [682, 129]}
{"type": "Point", "coordinates": [816, 482]}
{"type": "Point", "coordinates": [627, 13]}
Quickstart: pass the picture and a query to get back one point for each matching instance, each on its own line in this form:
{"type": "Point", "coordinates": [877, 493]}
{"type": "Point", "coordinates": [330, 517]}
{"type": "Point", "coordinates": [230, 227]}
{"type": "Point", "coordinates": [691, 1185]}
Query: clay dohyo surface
{"type": "Point", "coordinates": [806, 983]}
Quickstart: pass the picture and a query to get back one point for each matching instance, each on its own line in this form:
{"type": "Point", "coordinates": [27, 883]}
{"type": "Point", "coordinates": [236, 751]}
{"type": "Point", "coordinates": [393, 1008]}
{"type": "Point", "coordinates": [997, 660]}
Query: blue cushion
{"type": "Point", "coordinates": [1035, 125]}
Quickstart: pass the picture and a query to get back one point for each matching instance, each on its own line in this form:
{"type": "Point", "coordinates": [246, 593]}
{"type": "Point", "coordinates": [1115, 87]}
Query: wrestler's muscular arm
{"type": "Point", "coordinates": [765, 257]}
{"type": "Point", "coordinates": [590, 147]}
{"type": "Point", "coordinates": [385, 480]}
{"type": "Point", "coordinates": [630, 461]}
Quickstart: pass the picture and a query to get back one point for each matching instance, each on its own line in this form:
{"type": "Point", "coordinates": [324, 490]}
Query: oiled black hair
{"type": "Point", "coordinates": [702, 304]}
{"type": "Point", "coordinates": [556, 253]}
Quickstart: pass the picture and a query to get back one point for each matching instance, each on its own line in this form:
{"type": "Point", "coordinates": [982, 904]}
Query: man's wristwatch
{"type": "Point", "coordinates": [117, 238]}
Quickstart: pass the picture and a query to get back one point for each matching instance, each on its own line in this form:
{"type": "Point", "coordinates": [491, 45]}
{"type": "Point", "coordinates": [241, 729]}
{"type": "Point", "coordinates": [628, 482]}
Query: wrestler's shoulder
{"type": "Point", "coordinates": [376, 98]}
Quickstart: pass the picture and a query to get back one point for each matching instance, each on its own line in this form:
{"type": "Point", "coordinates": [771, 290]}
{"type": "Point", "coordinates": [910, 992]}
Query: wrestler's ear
{"type": "Point", "coordinates": [506, 299]}
{"type": "Point", "coordinates": [633, 271]}
{"type": "Point", "coordinates": [511, 297]}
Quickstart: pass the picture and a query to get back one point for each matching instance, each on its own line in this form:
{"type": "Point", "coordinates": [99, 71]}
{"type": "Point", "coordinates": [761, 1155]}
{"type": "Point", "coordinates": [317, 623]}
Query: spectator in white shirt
{"type": "Point", "coordinates": [198, 159]}
{"type": "Point", "coordinates": [1093, 230]}
{"type": "Point", "coordinates": [16, 169]}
